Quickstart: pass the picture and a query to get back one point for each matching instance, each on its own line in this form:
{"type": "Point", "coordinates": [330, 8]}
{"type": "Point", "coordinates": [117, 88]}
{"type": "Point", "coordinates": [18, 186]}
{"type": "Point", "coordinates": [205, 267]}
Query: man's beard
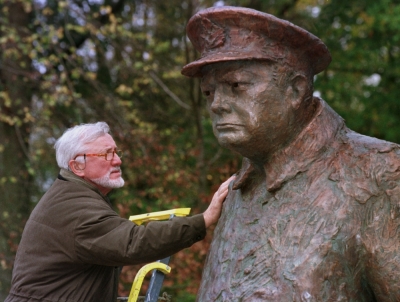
{"type": "Point", "coordinates": [108, 183]}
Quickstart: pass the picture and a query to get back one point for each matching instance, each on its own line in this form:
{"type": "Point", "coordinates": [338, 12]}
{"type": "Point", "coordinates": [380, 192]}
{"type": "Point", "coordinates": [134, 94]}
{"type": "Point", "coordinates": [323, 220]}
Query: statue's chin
{"type": "Point", "coordinates": [229, 141]}
{"type": "Point", "coordinates": [250, 149]}
{"type": "Point", "coordinates": [234, 143]}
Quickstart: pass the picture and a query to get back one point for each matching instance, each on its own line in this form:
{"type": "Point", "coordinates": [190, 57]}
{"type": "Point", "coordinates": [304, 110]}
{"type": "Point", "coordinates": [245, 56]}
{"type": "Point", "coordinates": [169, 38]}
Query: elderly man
{"type": "Point", "coordinates": [315, 210]}
{"type": "Point", "coordinates": [74, 242]}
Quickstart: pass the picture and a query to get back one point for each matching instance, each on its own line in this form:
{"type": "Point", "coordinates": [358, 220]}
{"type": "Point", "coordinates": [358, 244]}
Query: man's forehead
{"type": "Point", "coordinates": [104, 142]}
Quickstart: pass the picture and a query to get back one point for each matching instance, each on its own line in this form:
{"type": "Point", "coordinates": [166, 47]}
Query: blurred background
{"type": "Point", "coordinates": [64, 63]}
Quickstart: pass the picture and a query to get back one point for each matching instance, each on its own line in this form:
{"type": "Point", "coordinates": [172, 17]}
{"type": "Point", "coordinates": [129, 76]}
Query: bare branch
{"type": "Point", "coordinates": [169, 92]}
{"type": "Point", "coordinates": [21, 142]}
{"type": "Point", "coordinates": [216, 156]}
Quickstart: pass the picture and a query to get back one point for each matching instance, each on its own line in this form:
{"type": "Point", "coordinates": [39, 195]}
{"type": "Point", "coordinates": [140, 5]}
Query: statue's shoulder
{"type": "Point", "coordinates": [365, 166]}
{"type": "Point", "coordinates": [360, 143]}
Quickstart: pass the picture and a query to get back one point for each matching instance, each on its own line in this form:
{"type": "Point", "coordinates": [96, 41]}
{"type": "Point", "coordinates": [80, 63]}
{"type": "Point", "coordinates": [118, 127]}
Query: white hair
{"type": "Point", "coordinates": [74, 139]}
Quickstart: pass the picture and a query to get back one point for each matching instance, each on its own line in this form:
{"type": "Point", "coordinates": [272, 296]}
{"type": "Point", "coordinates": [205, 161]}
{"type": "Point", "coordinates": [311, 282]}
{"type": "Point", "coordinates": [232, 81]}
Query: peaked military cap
{"type": "Point", "coordinates": [235, 33]}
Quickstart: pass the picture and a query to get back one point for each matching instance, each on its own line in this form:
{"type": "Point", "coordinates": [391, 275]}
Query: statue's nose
{"type": "Point", "coordinates": [221, 102]}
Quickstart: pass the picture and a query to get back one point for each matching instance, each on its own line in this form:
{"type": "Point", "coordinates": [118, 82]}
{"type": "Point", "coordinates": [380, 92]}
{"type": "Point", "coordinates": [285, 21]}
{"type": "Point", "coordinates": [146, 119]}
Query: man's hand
{"type": "Point", "coordinates": [211, 215]}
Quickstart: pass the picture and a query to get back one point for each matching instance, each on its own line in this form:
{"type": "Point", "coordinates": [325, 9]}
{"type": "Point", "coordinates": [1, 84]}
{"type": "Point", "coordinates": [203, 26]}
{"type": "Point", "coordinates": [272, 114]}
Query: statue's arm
{"type": "Point", "coordinates": [382, 244]}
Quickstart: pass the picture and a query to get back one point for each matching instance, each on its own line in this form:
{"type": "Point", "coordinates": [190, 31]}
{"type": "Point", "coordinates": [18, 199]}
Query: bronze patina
{"type": "Point", "coordinates": [314, 213]}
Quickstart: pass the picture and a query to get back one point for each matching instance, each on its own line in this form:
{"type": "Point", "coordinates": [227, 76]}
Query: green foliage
{"type": "Point", "coordinates": [363, 79]}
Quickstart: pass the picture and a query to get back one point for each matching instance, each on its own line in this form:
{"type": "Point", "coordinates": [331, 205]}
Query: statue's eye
{"type": "Point", "coordinates": [235, 85]}
{"type": "Point", "coordinates": [207, 93]}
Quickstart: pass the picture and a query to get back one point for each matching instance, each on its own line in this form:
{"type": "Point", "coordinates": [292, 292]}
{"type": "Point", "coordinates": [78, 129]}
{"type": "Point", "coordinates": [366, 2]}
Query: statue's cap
{"type": "Point", "coordinates": [235, 33]}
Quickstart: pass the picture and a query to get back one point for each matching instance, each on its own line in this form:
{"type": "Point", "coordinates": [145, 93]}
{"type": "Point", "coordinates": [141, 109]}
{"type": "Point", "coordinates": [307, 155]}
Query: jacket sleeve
{"type": "Point", "coordinates": [104, 238]}
{"type": "Point", "coordinates": [381, 235]}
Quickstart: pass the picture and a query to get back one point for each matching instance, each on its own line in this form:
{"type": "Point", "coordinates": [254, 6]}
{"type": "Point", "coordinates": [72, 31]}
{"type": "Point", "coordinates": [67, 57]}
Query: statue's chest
{"type": "Point", "coordinates": [282, 245]}
{"type": "Point", "coordinates": [281, 225]}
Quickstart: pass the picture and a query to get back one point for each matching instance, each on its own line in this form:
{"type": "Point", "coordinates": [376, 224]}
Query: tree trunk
{"type": "Point", "coordinates": [15, 102]}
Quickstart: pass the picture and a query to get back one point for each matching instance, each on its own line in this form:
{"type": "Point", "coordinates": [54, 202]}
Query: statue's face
{"type": "Point", "coordinates": [251, 113]}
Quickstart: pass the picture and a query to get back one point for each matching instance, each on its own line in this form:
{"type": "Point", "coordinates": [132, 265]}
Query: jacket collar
{"type": "Point", "coordinates": [70, 176]}
{"type": "Point", "coordinates": [309, 145]}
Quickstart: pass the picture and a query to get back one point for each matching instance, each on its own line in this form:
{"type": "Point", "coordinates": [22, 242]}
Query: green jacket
{"type": "Point", "coordinates": [74, 242]}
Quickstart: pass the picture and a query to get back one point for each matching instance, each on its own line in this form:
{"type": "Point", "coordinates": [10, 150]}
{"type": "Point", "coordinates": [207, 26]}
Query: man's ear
{"type": "Point", "coordinates": [77, 168]}
{"type": "Point", "coordinates": [297, 90]}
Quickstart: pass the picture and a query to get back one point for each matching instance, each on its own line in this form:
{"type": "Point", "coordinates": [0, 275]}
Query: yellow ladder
{"type": "Point", "coordinates": [156, 280]}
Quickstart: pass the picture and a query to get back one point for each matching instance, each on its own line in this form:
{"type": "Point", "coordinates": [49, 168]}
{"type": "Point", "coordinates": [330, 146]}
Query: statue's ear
{"type": "Point", "coordinates": [297, 90]}
{"type": "Point", "coordinates": [77, 167]}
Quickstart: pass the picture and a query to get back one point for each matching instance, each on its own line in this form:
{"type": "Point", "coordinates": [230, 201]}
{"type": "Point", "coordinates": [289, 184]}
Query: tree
{"type": "Point", "coordinates": [16, 86]}
{"type": "Point", "coordinates": [361, 82]}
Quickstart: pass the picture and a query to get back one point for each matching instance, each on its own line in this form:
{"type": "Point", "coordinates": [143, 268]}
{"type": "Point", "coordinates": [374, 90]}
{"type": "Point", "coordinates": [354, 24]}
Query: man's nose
{"type": "Point", "coordinates": [220, 102]}
{"type": "Point", "coordinates": [116, 160]}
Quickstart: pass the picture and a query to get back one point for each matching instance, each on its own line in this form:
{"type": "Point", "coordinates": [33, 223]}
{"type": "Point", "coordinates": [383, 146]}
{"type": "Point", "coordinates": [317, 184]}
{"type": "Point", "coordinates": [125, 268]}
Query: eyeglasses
{"type": "Point", "coordinates": [107, 156]}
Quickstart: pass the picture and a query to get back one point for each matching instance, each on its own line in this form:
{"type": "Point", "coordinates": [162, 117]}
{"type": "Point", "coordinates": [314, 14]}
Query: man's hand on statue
{"type": "Point", "coordinates": [211, 215]}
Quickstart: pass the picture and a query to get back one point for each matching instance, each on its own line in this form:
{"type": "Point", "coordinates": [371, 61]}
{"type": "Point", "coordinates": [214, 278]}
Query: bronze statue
{"type": "Point", "coordinates": [314, 213]}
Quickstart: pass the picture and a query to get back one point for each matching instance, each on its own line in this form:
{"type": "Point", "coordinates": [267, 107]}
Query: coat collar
{"type": "Point", "coordinates": [70, 176]}
{"type": "Point", "coordinates": [309, 145]}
